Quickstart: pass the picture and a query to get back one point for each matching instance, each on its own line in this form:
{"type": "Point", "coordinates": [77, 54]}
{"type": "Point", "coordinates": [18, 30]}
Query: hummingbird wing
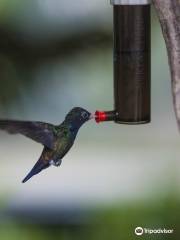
{"type": "Point", "coordinates": [37, 131]}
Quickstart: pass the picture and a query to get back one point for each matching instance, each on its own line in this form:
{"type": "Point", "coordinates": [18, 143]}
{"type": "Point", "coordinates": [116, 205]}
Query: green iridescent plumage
{"type": "Point", "coordinates": [57, 140]}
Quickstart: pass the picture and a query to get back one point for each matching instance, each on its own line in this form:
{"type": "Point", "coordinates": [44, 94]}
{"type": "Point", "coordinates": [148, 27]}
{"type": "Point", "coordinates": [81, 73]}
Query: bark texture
{"type": "Point", "coordinates": [168, 12]}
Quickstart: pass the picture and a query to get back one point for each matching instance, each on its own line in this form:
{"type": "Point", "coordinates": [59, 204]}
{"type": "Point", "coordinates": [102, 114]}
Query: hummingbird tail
{"type": "Point", "coordinates": [27, 177]}
{"type": "Point", "coordinates": [38, 167]}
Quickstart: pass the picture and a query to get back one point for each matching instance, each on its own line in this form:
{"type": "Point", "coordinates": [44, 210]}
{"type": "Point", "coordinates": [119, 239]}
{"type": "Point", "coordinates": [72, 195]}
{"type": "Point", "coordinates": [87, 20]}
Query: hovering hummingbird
{"type": "Point", "coordinates": [57, 139]}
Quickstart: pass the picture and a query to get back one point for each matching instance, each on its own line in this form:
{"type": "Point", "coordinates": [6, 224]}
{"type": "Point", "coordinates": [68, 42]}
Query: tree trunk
{"type": "Point", "coordinates": [168, 12]}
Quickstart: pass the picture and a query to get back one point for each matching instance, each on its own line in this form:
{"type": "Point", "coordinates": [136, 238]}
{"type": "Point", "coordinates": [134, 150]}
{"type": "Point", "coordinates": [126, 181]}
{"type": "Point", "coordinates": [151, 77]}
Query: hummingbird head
{"type": "Point", "coordinates": [78, 116]}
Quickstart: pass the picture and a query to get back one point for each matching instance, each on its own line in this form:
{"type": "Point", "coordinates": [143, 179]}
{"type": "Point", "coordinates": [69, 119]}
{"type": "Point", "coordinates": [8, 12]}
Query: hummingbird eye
{"type": "Point", "coordinates": [84, 115]}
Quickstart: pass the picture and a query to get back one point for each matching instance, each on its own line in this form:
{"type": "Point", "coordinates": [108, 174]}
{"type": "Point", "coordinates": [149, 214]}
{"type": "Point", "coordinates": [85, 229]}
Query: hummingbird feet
{"type": "Point", "coordinates": [55, 163]}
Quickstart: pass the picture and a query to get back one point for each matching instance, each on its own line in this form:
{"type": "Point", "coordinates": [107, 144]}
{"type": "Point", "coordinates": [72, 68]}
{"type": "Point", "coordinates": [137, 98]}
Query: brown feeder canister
{"type": "Point", "coordinates": [132, 61]}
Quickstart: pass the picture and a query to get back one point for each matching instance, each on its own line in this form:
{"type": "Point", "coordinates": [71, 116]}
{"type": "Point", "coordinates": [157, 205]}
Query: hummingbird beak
{"type": "Point", "coordinates": [91, 116]}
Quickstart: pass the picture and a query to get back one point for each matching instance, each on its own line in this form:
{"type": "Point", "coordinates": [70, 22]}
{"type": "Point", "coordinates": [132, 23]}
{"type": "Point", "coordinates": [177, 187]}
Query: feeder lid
{"type": "Point", "coordinates": [130, 2]}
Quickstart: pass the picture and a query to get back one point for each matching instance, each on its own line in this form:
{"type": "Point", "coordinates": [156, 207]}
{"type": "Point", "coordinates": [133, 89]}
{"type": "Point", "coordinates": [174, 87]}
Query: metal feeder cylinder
{"type": "Point", "coordinates": [132, 61]}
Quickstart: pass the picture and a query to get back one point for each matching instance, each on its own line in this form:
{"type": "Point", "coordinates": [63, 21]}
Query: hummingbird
{"type": "Point", "coordinates": [56, 139]}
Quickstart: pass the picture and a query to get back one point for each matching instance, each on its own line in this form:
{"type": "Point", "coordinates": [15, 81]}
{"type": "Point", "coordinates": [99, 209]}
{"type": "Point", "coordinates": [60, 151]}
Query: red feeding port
{"type": "Point", "coordinates": [102, 116]}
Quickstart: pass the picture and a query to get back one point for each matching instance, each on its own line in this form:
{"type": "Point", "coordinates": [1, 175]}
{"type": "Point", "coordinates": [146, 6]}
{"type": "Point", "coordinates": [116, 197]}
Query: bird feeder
{"type": "Point", "coordinates": [132, 63]}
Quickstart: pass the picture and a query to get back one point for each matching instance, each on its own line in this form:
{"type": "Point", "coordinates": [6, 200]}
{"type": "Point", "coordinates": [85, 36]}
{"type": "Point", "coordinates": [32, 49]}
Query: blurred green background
{"type": "Point", "coordinates": [56, 55]}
